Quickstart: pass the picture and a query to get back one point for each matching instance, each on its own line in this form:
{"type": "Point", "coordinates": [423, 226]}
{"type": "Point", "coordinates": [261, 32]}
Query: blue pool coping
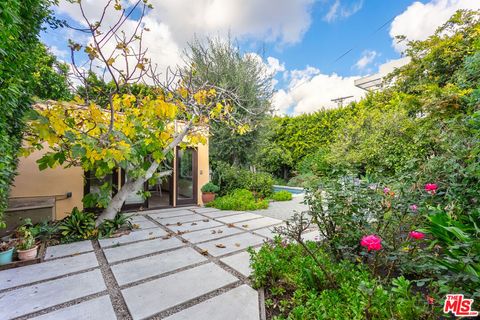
{"type": "Point", "coordinates": [292, 190]}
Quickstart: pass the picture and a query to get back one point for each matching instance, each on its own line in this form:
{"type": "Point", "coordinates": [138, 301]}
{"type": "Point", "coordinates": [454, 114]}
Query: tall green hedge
{"type": "Point", "coordinates": [20, 23]}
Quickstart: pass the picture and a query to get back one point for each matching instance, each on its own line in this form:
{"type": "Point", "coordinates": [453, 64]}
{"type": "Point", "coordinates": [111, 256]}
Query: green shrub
{"type": "Point", "coordinates": [108, 227]}
{"type": "Point", "coordinates": [210, 187]}
{"type": "Point", "coordinates": [27, 240]}
{"type": "Point", "coordinates": [296, 288]}
{"type": "Point", "coordinates": [305, 180]}
{"type": "Point", "coordinates": [240, 199]}
{"type": "Point", "coordinates": [229, 178]}
{"type": "Point", "coordinates": [282, 195]}
{"type": "Point", "coordinates": [79, 225]}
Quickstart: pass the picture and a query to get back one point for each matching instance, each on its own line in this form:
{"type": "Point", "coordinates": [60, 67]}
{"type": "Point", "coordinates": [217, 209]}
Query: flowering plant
{"type": "Point", "coordinates": [416, 235]}
{"type": "Point", "coordinates": [371, 242]}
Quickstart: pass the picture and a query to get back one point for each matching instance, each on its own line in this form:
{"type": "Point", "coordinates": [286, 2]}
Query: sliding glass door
{"type": "Point", "coordinates": [186, 176]}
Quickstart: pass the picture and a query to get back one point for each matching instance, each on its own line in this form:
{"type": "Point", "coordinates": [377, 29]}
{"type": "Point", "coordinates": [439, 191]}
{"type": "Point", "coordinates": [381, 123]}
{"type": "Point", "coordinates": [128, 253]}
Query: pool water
{"type": "Point", "coordinates": [292, 190]}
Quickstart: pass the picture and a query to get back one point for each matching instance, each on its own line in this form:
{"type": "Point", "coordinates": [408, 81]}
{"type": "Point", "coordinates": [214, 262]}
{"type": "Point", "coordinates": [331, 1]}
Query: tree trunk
{"type": "Point", "coordinates": [115, 205]}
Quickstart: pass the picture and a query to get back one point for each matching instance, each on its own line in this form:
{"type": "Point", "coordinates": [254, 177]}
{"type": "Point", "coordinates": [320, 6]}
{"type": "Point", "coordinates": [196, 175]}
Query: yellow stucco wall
{"type": "Point", "coordinates": [203, 168]}
{"type": "Point", "coordinates": [31, 182]}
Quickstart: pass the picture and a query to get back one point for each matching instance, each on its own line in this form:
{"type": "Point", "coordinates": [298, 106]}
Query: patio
{"type": "Point", "coordinates": [186, 263]}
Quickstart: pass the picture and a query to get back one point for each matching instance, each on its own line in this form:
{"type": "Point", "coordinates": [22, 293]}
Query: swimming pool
{"type": "Point", "coordinates": [292, 190]}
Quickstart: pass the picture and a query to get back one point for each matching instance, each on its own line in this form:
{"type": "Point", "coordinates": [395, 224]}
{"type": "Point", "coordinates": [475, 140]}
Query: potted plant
{"type": "Point", "coordinates": [26, 247]}
{"type": "Point", "coordinates": [6, 252]}
{"type": "Point", "coordinates": [208, 192]}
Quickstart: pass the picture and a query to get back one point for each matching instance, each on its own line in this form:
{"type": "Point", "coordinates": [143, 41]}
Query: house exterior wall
{"type": "Point", "coordinates": [203, 172]}
{"type": "Point", "coordinates": [31, 182]}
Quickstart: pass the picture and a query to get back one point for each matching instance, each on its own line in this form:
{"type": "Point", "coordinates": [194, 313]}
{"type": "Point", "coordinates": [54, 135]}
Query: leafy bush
{"type": "Point", "coordinates": [230, 178]}
{"type": "Point", "coordinates": [26, 239]}
{"type": "Point", "coordinates": [79, 225]}
{"type": "Point", "coordinates": [305, 180]}
{"type": "Point", "coordinates": [240, 199]}
{"type": "Point", "coordinates": [297, 288]}
{"type": "Point", "coordinates": [282, 195]}
{"type": "Point", "coordinates": [210, 187]}
{"type": "Point", "coordinates": [108, 227]}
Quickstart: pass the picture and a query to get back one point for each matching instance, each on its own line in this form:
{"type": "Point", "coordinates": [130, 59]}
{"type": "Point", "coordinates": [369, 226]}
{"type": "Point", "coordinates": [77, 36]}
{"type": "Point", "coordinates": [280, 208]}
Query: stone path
{"type": "Point", "coordinates": [185, 263]}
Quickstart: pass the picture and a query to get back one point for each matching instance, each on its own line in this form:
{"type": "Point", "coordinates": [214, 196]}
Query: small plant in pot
{"type": "Point", "coordinates": [26, 247]}
{"type": "Point", "coordinates": [6, 252]}
{"type": "Point", "coordinates": [208, 192]}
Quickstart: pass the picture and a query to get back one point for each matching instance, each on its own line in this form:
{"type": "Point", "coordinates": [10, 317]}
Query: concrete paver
{"type": "Point", "coordinates": [161, 272]}
{"type": "Point", "coordinates": [139, 269]}
{"type": "Point", "coordinates": [257, 223]}
{"type": "Point", "coordinates": [239, 217]}
{"type": "Point", "coordinates": [95, 309]}
{"type": "Point", "coordinates": [138, 249]}
{"type": "Point", "coordinates": [233, 243]}
{"type": "Point", "coordinates": [210, 234]}
{"type": "Point", "coordinates": [240, 303]}
{"type": "Point", "coordinates": [68, 249]}
{"type": "Point", "coordinates": [133, 236]}
{"type": "Point", "coordinates": [42, 271]}
{"type": "Point", "coordinates": [150, 298]}
{"type": "Point", "coordinates": [47, 294]}
{"type": "Point", "coordinates": [239, 262]}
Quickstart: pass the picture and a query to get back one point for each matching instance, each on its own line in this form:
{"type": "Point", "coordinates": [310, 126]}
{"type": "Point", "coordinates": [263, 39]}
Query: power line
{"type": "Point", "coordinates": [363, 40]}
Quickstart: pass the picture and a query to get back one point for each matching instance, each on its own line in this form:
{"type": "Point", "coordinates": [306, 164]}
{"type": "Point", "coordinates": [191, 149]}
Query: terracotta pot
{"type": "Point", "coordinates": [208, 197]}
{"type": "Point", "coordinates": [27, 254]}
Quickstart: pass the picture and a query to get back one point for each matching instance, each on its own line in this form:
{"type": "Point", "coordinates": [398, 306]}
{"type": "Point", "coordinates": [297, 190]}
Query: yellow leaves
{"type": "Point", "coordinates": [110, 61]}
{"type": "Point", "coordinates": [165, 136]}
{"type": "Point", "coordinates": [140, 66]}
{"type": "Point", "coordinates": [182, 92]}
{"type": "Point", "coordinates": [165, 110]}
{"type": "Point", "coordinates": [200, 97]}
{"type": "Point", "coordinates": [243, 129]}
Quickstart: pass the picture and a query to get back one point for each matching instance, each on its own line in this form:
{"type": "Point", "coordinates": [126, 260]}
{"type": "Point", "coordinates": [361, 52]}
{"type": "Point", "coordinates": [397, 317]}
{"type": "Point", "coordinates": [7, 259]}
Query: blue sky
{"type": "Point", "coordinates": [300, 39]}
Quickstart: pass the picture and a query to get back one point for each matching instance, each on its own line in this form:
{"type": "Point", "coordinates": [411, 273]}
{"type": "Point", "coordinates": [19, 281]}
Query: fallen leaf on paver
{"type": "Point", "coordinates": [213, 231]}
{"type": "Point", "coordinates": [168, 236]}
{"type": "Point", "coordinates": [204, 252]}
{"type": "Point", "coordinates": [237, 244]}
{"type": "Point", "coordinates": [181, 232]}
{"type": "Point", "coordinates": [179, 223]}
{"type": "Point", "coordinates": [193, 224]}
{"type": "Point", "coordinates": [245, 225]}
{"type": "Point", "coordinates": [220, 246]}
{"type": "Point", "coordinates": [167, 224]}
{"type": "Point", "coordinates": [220, 231]}
{"type": "Point", "coordinates": [184, 241]}
{"type": "Point", "coordinates": [135, 226]}
{"type": "Point", "coordinates": [205, 220]}
{"type": "Point", "coordinates": [230, 225]}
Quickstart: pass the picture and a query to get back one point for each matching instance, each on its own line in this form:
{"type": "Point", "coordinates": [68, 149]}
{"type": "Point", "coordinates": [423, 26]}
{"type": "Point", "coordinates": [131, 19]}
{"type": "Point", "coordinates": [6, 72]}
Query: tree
{"type": "Point", "coordinates": [50, 77]}
{"type": "Point", "coordinates": [115, 126]}
{"type": "Point", "coordinates": [20, 23]}
{"type": "Point", "coordinates": [222, 64]}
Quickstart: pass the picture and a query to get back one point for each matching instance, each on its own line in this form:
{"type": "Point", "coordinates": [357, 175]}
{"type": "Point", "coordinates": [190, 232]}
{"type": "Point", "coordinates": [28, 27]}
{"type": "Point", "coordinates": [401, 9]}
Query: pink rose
{"type": "Point", "coordinates": [431, 188]}
{"type": "Point", "coordinates": [371, 242]}
{"type": "Point", "coordinates": [416, 235]}
{"type": "Point", "coordinates": [414, 207]}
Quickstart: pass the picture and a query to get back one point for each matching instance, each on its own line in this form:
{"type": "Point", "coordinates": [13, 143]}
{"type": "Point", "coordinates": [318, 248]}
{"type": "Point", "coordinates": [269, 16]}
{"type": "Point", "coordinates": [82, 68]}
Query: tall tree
{"type": "Point", "coordinates": [222, 63]}
{"type": "Point", "coordinates": [20, 23]}
{"type": "Point", "coordinates": [117, 125]}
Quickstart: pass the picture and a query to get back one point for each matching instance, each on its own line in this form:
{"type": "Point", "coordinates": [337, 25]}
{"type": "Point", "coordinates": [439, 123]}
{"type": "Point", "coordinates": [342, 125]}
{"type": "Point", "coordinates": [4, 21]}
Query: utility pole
{"type": "Point", "coordinates": [339, 101]}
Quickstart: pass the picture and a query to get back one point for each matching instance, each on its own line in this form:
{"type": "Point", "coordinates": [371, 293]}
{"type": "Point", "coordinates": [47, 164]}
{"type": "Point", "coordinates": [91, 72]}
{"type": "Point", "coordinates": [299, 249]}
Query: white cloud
{"type": "Point", "coordinates": [174, 23]}
{"type": "Point", "coordinates": [339, 11]}
{"type": "Point", "coordinates": [367, 58]}
{"type": "Point", "coordinates": [420, 20]}
{"type": "Point", "coordinates": [283, 21]}
{"type": "Point", "coordinates": [309, 90]}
